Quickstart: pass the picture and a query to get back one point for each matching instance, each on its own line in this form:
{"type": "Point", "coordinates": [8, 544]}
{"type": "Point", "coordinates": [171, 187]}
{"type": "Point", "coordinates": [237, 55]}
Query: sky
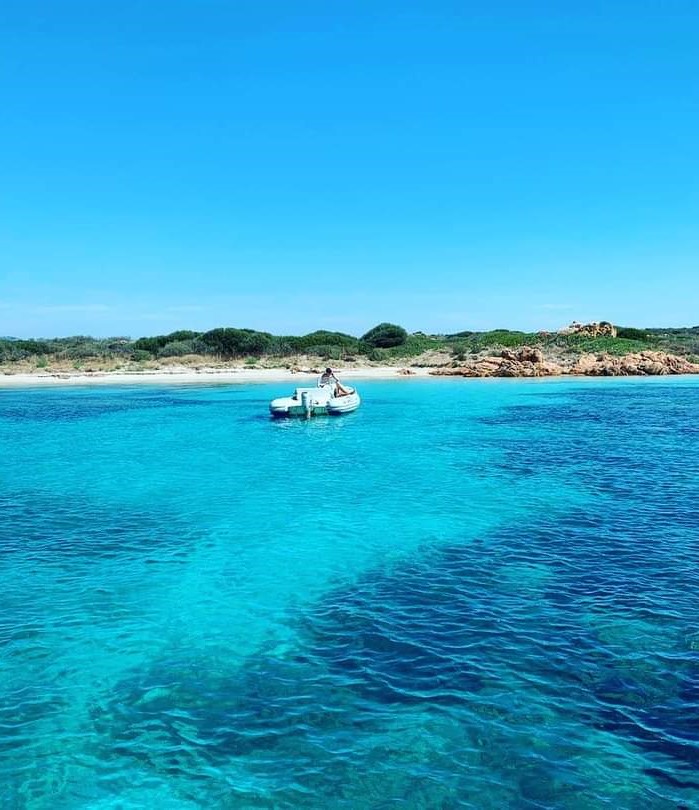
{"type": "Point", "coordinates": [291, 166]}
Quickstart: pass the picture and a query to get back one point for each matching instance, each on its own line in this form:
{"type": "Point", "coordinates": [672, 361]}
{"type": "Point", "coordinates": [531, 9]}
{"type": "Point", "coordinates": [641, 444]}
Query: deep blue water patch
{"type": "Point", "coordinates": [43, 528]}
{"type": "Point", "coordinates": [445, 630]}
{"type": "Point", "coordinates": [60, 406]}
{"type": "Point", "coordinates": [469, 633]}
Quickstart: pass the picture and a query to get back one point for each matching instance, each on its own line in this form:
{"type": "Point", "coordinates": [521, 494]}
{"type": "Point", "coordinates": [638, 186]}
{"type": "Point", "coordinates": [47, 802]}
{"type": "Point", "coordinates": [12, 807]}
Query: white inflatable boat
{"type": "Point", "coordinates": [317, 401]}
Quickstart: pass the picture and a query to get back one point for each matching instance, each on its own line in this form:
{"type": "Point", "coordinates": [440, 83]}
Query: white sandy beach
{"type": "Point", "coordinates": [185, 376]}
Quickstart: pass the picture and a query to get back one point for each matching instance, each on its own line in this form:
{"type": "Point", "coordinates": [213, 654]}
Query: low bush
{"type": "Point", "coordinates": [415, 345]}
{"type": "Point", "coordinates": [631, 333]}
{"type": "Point", "coordinates": [327, 352]}
{"type": "Point", "coordinates": [506, 338]}
{"type": "Point", "coordinates": [604, 344]}
{"type": "Point", "coordinates": [177, 348]}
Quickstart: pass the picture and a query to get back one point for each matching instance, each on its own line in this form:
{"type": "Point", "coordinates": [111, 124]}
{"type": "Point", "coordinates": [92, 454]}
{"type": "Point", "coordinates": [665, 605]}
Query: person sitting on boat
{"type": "Point", "coordinates": [326, 379]}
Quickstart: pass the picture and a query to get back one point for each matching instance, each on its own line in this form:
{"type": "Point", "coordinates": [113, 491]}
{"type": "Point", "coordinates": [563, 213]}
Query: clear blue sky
{"type": "Point", "coordinates": [300, 164]}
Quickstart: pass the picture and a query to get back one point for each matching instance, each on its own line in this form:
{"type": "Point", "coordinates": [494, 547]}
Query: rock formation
{"type": "Point", "coordinates": [632, 365]}
{"type": "Point", "coordinates": [530, 362]}
{"type": "Point", "coordinates": [594, 329]}
{"type": "Point", "coordinates": [524, 362]}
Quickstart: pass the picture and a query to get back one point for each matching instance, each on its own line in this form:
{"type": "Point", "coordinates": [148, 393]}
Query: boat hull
{"type": "Point", "coordinates": [309, 402]}
{"type": "Point", "coordinates": [346, 404]}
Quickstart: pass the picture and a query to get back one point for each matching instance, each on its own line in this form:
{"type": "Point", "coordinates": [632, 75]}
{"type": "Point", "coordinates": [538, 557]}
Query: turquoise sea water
{"type": "Point", "coordinates": [466, 594]}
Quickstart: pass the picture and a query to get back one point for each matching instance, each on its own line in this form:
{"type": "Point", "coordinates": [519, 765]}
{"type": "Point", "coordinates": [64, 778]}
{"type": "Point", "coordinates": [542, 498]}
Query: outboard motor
{"type": "Point", "coordinates": [307, 403]}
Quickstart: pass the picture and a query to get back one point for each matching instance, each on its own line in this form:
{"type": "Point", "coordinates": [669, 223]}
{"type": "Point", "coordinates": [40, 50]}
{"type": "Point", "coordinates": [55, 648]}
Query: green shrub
{"type": "Point", "coordinates": [605, 344]}
{"type": "Point", "coordinates": [283, 345]}
{"type": "Point", "coordinates": [506, 338]}
{"type": "Point", "coordinates": [114, 346]}
{"type": "Point", "coordinates": [385, 336]}
{"type": "Point", "coordinates": [182, 334]}
{"type": "Point", "coordinates": [81, 351]}
{"type": "Point", "coordinates": [9, 352]}
{"type": "Point", "coordinates": [156, 343]}
{"type": "Point", "coordinates": [630, 333]}
{"type": "Point", "coordinates": [415, 345]}
{"type": "Point", "coordinates": [327, 352]}
{"type": "Point", "coordinates": [150, 345]}
{"type": "Point", "coordinates": [687, 346]}
{"type": "Point", "coordinates": [322, 337]}
{"type": "Point", "coordinates": [32, 347]}
{"type": "Point", "coordinates": [177, 348]}
{"type": "Point", "coordinates": [237, 342]}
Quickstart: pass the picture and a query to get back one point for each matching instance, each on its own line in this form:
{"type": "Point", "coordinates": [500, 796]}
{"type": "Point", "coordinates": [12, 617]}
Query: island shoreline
{"type": "Point", "coordinates": [183, 376]}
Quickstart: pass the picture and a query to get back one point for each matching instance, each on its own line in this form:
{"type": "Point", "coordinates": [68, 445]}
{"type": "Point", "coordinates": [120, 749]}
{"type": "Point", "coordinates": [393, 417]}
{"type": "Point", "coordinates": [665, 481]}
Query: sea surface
{"type": "Point", "coordinates": [468, 593]}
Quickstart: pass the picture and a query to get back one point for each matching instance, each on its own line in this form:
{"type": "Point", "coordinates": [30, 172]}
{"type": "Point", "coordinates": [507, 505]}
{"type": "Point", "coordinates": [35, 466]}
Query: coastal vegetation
{"type": "Point", "coordinates": [385, 343]}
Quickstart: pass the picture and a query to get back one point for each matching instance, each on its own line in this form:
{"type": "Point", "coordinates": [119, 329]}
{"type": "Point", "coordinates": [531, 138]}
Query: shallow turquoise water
{"type": "Point", "coordinates": [466, 594]}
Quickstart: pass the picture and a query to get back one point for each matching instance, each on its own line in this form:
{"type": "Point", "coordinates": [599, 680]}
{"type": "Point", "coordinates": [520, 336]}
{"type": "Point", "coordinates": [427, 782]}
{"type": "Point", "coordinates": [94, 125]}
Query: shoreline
{"type": "Point", "coordinates": [270, 375]}
{"type": "Point", "coordinates": [180, 375]}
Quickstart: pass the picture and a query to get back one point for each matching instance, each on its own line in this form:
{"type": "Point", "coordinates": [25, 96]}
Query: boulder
{"type": "Point", "coordinates": [526, 354]}
{"type": "Point", "coordinates": [529, 354]}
